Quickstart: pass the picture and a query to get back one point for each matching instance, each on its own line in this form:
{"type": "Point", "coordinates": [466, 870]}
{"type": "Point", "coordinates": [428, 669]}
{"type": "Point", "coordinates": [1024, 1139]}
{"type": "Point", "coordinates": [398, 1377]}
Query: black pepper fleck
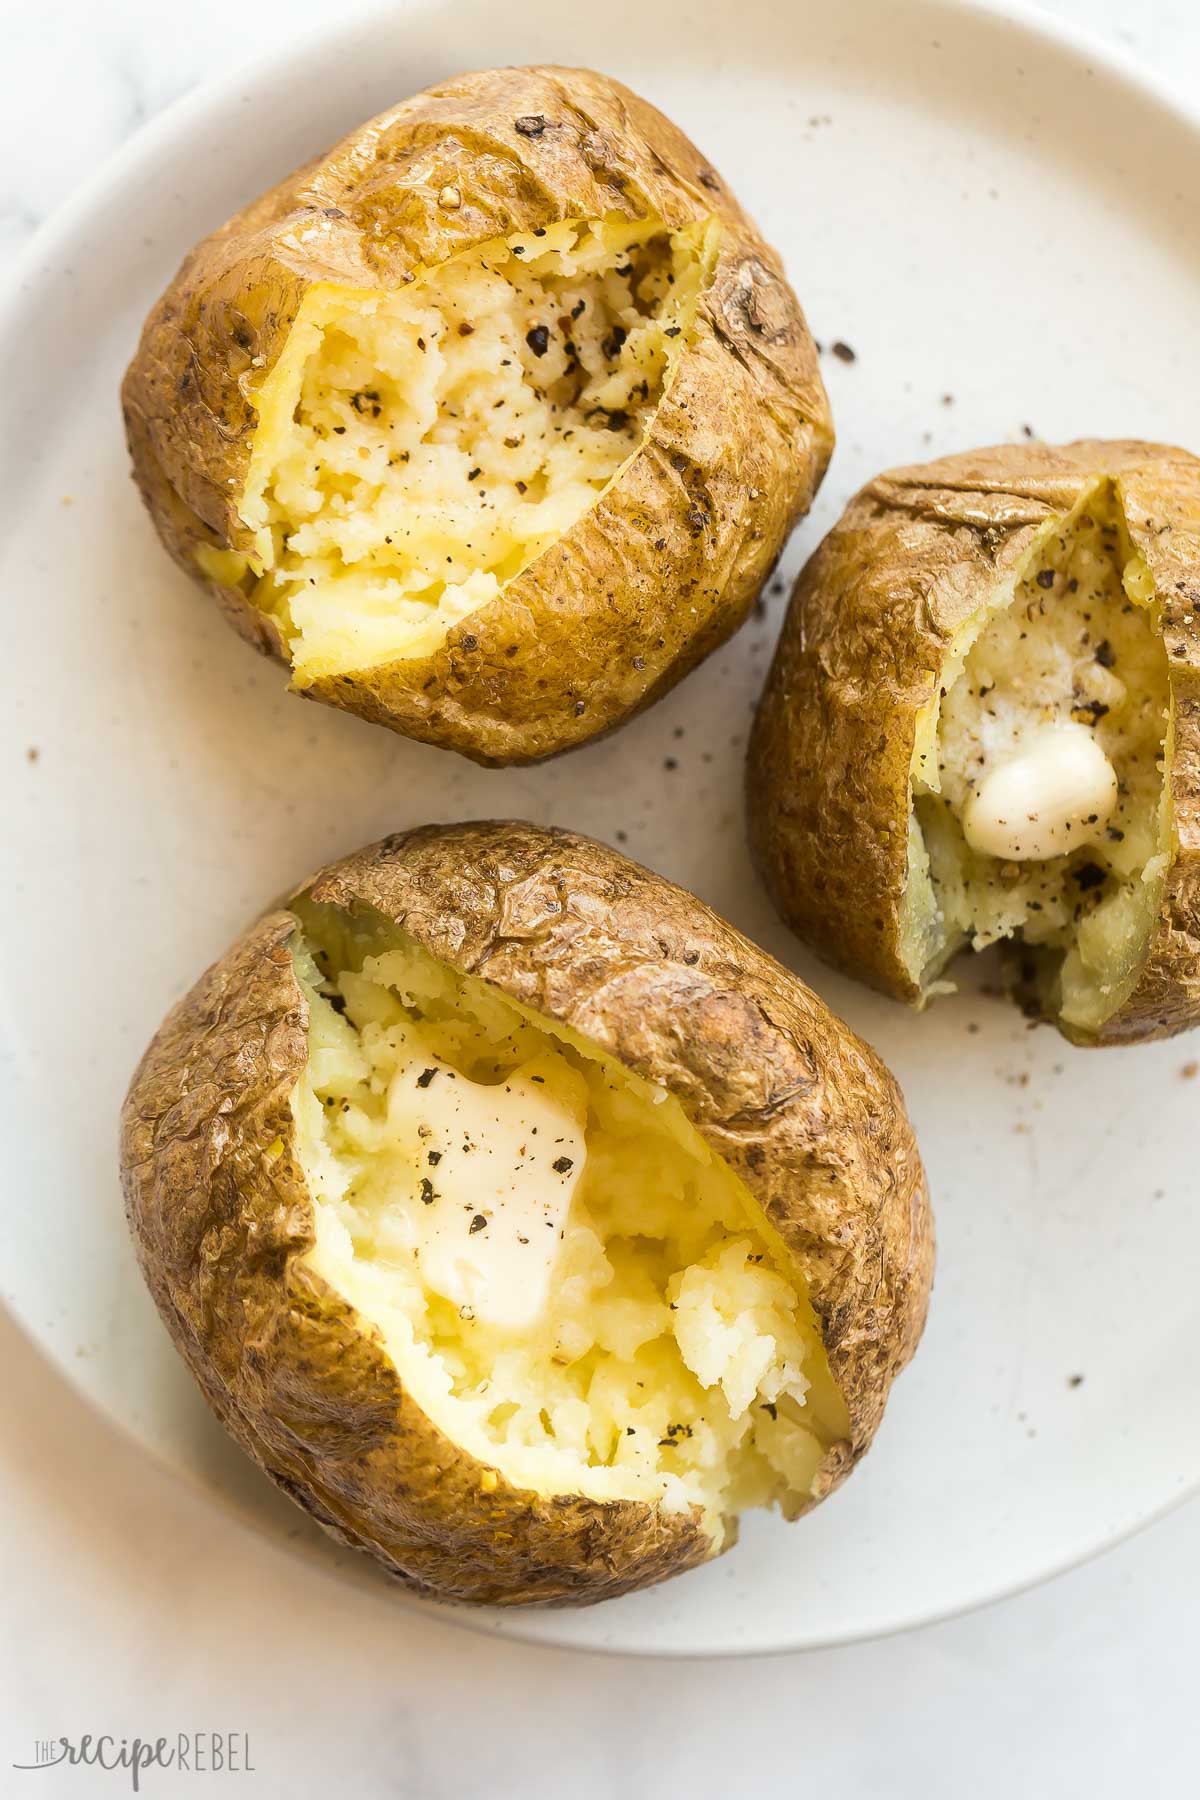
{"type": "Point", "coordinates": [1089, 875]}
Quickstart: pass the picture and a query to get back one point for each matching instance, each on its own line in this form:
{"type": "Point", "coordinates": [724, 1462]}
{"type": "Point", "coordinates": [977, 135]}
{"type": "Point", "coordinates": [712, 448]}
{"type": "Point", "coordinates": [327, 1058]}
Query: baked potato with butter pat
{"type": "Point", "coordinates": [523, 1220]}
{"type": "Point", "coordinates": [982, 725]}
{"type": "Point", "coordinates": [491, 422]}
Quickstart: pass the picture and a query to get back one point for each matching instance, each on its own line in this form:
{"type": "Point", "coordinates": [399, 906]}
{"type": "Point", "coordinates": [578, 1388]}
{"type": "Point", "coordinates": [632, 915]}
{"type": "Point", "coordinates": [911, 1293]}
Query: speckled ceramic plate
{"type": "Point", "coordinates": [999, 221]}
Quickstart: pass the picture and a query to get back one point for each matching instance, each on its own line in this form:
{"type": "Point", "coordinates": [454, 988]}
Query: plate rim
{"type": "Point", "coordinates": [159, 135]}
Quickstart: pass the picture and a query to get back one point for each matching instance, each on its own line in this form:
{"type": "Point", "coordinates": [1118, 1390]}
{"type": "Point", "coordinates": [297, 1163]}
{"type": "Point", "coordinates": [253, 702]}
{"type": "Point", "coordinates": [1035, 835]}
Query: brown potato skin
{"type": "Point", "coordinates": [863, 646]}
{"type": "Point", "coordinates": [667, 564]}
{"type": "Point", "coordinates": [802, 1110]}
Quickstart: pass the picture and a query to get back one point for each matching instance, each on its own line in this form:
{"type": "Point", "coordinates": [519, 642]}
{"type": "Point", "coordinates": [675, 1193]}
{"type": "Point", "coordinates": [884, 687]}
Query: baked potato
{"type": "Point", "coordinates": [982, 725]}
{"type": "Point", "coordinates": [491, 422]}
{"type": "Point", "coordinates": [523, 1220]}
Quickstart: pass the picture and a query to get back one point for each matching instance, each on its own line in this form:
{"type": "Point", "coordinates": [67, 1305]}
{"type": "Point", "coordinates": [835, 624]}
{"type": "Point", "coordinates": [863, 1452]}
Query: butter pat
{"type": "Point", "coordinates": [494, 1168]}
{"type": "Point", "coordinates": [1056, 792]}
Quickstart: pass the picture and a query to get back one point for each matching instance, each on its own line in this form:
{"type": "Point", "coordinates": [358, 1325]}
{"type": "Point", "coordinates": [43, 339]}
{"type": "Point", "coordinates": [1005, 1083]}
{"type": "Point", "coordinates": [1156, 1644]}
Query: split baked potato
{"type": "Point", "coordinates": [491, 422]}
{"type": "Point", "coordinates": [522, 1219]}
{"type": "Point", "coordinates": [982, 724]}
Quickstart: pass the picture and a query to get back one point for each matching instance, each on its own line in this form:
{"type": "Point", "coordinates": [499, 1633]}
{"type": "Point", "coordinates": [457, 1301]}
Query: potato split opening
{"type": "Point", "coordinates": [1039, 805]}
{"type": "Point", "coordinates": [418, 448]}
{"type": "Point", "coordinates": [570, 1283]}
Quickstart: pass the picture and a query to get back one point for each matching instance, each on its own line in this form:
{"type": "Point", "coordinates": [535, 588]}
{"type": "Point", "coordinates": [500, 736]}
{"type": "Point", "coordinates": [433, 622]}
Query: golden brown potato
{"type": "Point", "coordinates": [982, 724]}
{"type": "Point", "coordinates": [522, 1219]}
{"type": "Point", "coordinates": [491, 422]}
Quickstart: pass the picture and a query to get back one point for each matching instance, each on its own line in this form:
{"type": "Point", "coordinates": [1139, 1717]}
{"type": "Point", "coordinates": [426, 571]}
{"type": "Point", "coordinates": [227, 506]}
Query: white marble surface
{"type": "Point", "coordinates": [132, 1606]}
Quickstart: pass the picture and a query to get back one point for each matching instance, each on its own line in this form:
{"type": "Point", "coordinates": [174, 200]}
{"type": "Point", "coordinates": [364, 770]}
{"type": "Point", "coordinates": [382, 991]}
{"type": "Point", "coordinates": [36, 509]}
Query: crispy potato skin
{"type": "Point", "coordinates": [222, 1218]}
{"type": "Point", "coordinates": [863, 646]}
{"type": "Point", "coordinates": [666, 566]}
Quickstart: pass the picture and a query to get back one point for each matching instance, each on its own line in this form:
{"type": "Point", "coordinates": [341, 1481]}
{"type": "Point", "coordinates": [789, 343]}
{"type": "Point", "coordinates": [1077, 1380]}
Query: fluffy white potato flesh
{"type": "Point", "coordinates": [1038, 776]}
{"type": "Point", "coordinates": [624, 1323]}
{"type": "Point", "coordinates": [417, 448]}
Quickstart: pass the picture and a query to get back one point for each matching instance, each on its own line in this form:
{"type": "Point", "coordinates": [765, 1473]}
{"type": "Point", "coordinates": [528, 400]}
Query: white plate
{"type": "Point", "coordinates": [1001, 222]}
